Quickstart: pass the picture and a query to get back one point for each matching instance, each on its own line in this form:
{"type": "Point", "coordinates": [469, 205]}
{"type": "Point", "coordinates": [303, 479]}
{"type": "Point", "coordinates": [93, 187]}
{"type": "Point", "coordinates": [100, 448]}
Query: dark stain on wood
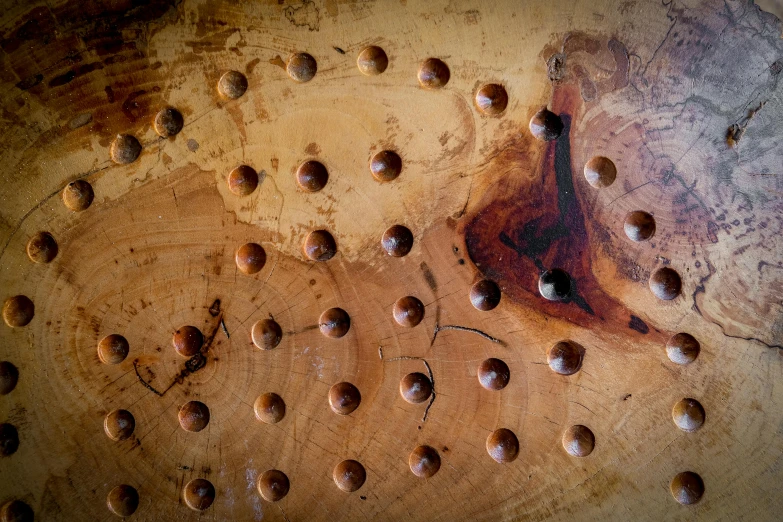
{"type": "Point", "coordinates": [429, 277]}
{"type": "Point", "coordinates": [637, 324]}
{"type": "Point", "coordinates": [535, 214]}
{"type": "Point", "coordinates": [30, 82]}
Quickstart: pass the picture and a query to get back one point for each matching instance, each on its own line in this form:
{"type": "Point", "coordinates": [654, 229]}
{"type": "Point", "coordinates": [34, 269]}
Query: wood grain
{"type": "Point", "coordinates": [681, 98]}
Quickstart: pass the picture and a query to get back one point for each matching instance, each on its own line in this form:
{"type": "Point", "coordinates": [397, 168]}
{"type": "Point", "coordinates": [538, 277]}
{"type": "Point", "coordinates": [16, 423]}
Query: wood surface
{"type": "Point", "coordinates": [682, 96]}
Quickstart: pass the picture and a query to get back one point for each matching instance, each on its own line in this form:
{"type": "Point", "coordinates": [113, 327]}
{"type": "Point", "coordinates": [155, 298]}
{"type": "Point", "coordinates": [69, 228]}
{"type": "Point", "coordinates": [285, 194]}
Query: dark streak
{"type": "Point", "coordinates": [130, 104]}
{"type": "Point", "coordinates": [136, 444]}
{"type": "Point", "coordinates": [75, 73]}
{"type": "Point", "coordinates": [532, 240]}
{"type": "Point", "coordinates": [579, 299]}
{"type": "Point", "coordinates": [762, 264]}
{"type": "Point", "coordinates": [583, 406]}
{"type": "Point", "coordinates": [467, 200]}
{"type": "Point", "coordinates": [429, 277]}
{"type": "Point", "coordinates": [533, 246]}
{"type": "Point", "coordinates": [30, 82]}
{"type": "Point", "coordinates": [637, 324]}
{"type": "Point", "coordinates": [62, 79]}
{"type": "Point", "coordinates": [304, 329]}
{"type": "Point", "coordinates": [338, 49]}
{"type": "Point", "coordinates": [712, 229]}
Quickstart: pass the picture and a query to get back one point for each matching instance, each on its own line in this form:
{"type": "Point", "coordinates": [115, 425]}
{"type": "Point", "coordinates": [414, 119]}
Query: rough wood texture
{"type": "Point", "coordinates": [684, 100]}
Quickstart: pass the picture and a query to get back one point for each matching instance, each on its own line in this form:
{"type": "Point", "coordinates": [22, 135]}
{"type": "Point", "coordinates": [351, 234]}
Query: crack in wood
{"type": "Point", "coordinates": [439, 328]}
{"type": "Point", "coordinates": [142, 381]}
{"type": "Point", "coordinates": [225, 330]}
{"type": "Point", "coordinates": [429, 374]}
{"type": "Point", "coordinates": [192, 365]}
{"type": "Point", "coordinates": [737, 129]}
{"type": "Point", "coordinates": [749, 339]}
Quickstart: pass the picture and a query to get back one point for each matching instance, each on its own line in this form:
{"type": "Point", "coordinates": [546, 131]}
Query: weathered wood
{"type": "Point", "coordinates": [330, 260]}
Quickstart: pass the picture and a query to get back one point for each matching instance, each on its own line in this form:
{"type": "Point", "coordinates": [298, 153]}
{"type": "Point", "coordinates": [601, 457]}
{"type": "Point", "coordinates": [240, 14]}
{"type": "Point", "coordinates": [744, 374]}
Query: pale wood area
{"type": "Point", "coordinates": [683, 97]}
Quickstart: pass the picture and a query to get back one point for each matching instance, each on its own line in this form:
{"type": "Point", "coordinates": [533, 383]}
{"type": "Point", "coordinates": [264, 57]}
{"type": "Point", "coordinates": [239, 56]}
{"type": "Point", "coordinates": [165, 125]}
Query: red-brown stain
{"type": "Point", "coordinates": [313, 149]}
{"type": "Point", "coordinates": [529, 224]}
